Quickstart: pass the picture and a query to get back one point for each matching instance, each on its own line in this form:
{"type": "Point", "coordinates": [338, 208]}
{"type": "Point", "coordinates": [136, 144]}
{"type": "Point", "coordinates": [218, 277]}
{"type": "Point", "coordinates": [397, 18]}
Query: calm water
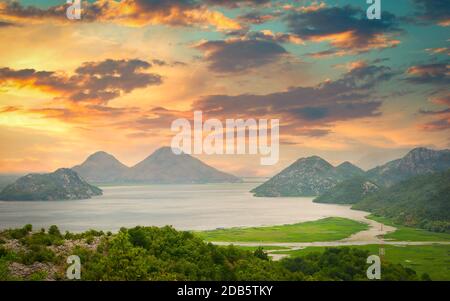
{"type": "Point", "coordinates": [187, 207]}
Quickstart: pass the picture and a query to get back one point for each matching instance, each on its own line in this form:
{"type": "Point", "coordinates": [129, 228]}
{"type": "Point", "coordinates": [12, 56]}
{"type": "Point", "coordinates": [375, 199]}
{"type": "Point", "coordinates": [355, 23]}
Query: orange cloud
{"type": "Point", "coordinates": [349, 42]}
{"type": "Point", "coordinates": [126, 12]}
{"type": "Point", "coordinates": [93, 82]}
{"type": "Point", "coordinates": [351, 32]}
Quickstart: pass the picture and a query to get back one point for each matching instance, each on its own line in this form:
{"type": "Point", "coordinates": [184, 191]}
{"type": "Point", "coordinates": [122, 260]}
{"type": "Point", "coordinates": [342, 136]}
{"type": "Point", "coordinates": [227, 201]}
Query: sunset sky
{"type": "Point", "coordinates": [344, 87]}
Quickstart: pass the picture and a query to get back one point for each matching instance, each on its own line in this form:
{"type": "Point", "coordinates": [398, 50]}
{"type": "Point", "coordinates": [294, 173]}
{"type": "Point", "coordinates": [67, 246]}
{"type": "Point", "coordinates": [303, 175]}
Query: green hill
{"type": "Point", "coordinates": [63, 184]}
{"type": "Point", "coordinates": [419, 161]}
{"type": "Point", "coordinates": [348, 192]}
{"type": "Point", "coordinates": [422, 201]}
{"type": "Point", "coordinates": [306, 177]}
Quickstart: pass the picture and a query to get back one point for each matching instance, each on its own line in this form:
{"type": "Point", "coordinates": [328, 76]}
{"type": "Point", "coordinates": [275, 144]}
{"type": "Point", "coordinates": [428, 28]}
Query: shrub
{"type": "Point", "coordinates": [53, 230]}
{"type": "Point", "coordinates": [259, 253]}
{"type": "Point", "coordinates": [19, 233]}
{"type": "Point", "coordinates": [37, 253]}
{"type": "Point", "coordinates": [3, 252]}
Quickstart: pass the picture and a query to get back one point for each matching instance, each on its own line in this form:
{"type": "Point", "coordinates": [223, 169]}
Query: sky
{"type": "Point", "coordinates": [344, 87]}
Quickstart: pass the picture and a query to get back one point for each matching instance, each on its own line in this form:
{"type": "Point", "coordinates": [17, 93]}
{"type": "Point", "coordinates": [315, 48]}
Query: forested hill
{"type": "Point", "coordinates": [422, 201]}
{"type": "Point", "coordinates": [419, 161]}
{"type": "Point", "coordinates": [348, 192]}
{"type": "Point", "coordinates": [150, 253]}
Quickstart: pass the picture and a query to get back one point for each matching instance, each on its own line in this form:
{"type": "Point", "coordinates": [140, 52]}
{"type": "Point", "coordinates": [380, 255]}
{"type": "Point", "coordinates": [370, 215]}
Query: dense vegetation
{"type": "Point", "coordinates": [404, 233]}
{"type": "Point", "coordinates": [326, 229]}
{"type": "Point", "coordinates": [430, 260]}
{"type": "Point", "coordinates": [151, 253]}
{"type": "Point", "coordinates": [349, 191]}
{"type": "Point", "coordinates": [422, 201]}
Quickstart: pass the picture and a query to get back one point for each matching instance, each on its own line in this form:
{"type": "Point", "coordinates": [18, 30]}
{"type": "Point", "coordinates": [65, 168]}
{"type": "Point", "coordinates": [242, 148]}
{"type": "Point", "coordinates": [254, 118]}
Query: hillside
{"type": "Point", "coordinates": [349, 170]}
{"type": "Point", "coordinates": [349, 191]}
{"type": "Point", "coordinates": [305, 177]}
{"type": "Point", "coordinates": [164, 254]}
{"type": "Point", "coordinates": [422, 201]}
{"type": "Point", "coordinates": [63, 184]}
{"type": "Point", "coordinates": [161, 167]}
{"type": "Point", "coordinates": [417, 162]}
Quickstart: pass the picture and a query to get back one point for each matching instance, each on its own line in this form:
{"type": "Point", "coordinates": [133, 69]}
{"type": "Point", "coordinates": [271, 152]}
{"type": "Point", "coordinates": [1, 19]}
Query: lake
{"type": "Point", "coordinates": [186, 207]}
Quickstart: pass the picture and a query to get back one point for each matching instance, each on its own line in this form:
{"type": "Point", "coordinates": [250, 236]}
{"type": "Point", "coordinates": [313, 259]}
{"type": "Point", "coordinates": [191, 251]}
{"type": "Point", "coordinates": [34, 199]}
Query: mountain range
{"type": "Point", "coordinates": [418, 161]}
{"type": "Point", "coordinates": [347, 183]}
{"type": "Point", "coordinates": [307, 177]}
{"type": "Point", "coordinates": [63, 184]}
{"type": "Point", "coordinates": [161, 167]}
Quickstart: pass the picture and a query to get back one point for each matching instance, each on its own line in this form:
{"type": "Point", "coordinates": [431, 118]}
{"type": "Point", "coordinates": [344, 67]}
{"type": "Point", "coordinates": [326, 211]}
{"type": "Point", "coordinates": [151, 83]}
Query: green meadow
{"type": "Point", "coordinates": [431, 259]}
{"type": "Point", "coordinates": [327, 229]}
{"type": "Point", "coordinates": [404, 233]}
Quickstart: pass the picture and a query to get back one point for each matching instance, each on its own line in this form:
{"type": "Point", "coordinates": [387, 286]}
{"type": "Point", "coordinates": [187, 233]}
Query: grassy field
{"type": "Point", "coordinates": [327, 229]}
{"type": "Point", "coordinates": [404, 233]}
{"type": "Point", "coordinates": [431, 259]}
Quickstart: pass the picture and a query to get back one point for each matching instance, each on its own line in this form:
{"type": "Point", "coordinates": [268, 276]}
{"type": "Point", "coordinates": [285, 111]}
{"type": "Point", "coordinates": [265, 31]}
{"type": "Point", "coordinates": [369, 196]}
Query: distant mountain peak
{"type": "Point", "coordinates": [346, 164]}
{"type": "Point", "coordinates": [348, 167]}
{"type": "Point", "coordinates": [420, 149]}
{"type": "Point", "coordinates": [63, 170]}
{"type": "Point", "coordinates": [62, 184]}
{"type": "Point", "coordinates": [164, 152]}
{"type": "Point", "coordinates": [306, 177]}
{"type": "Point", "coordinates": [313, 158]}
{"type": "Point", "coordinates": [164, 149]}
{"type": "Point", "coordinates": [101, 155]}
{"type": "Point", "coordinates": [101, 167]}
{"type": "Point", "coordinates": [416, 162]}
{"type": "Point", "coordinates": [424, 153]}
{"type": "Point", "coordinates": [316, 160]}
{"type": "Point", "coordinates": [162, 166]}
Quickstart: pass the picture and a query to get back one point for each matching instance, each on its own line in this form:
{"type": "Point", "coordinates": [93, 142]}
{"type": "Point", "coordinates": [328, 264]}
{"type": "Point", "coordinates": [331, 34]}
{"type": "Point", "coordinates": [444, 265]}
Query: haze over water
{"type": "Point", "coordinates": [186, 207]}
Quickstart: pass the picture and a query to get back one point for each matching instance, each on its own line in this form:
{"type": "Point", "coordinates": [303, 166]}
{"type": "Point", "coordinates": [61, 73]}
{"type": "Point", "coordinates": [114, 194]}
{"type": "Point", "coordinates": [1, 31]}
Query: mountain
{"type": "Point", "coordinates": [101, 167]}
{"type": "Point", "coordinates": [348, 191]}
{"type": "Point", "coordinates": [349, 170]}
{"type": "Point", "coordinates": [417, 162]}
{"type": "Point", "coordinates": [421, 201]}
{"type": "Point", "coordinates": [6, 179]}
{"type": "Point", "coordinates": [380, 157]}
{"type": "Point", "coordinates": [164, 167]}
{"type": "Point", "coordinates": [306, 177]}
{"type": "Point", "coordinates": [161, 167]}
{"type": "Point", "coordinates": [63, 184]}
